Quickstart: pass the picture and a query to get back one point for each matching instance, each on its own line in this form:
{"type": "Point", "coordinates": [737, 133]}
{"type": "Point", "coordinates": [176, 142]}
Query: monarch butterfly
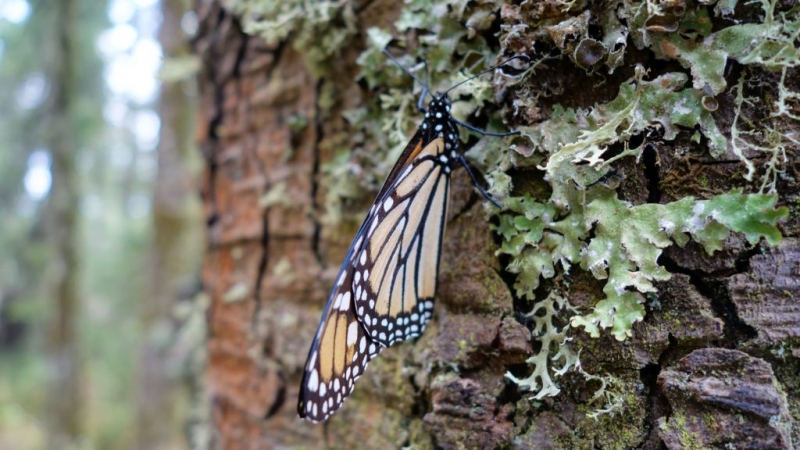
{"type": "Point", "coordinates": [385, 288]}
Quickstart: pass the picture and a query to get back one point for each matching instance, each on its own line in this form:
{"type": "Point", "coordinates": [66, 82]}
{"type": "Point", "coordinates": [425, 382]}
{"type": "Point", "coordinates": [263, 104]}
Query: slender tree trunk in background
{"type": "Point", "coordinates": [171, 264]}
{"type": "Point", "coordinates": [271, 264]}
{"type": "Point", "coordinates": [64, 397]}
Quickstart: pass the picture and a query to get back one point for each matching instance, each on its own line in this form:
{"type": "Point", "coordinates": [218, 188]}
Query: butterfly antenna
{"type": "Point", "coordinates": [427, 75]}
{"type": "Point", "coordinates": [485, 71]}
{"type": "Point", "coordinates": [424, 85]}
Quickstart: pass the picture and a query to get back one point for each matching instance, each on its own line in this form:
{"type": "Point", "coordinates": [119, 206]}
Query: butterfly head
{"type": "Point", "coordinates": [439, 104]}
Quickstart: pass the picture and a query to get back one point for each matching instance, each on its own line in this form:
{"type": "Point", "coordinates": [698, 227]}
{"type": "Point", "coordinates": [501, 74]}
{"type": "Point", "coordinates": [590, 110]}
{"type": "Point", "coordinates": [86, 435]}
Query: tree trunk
{"type": "Point", "coordinates": [711, 363]}
{"type": "Point", "coordinates": [171, 262]}
{"type": "Point", "coordinates": [65, 400]}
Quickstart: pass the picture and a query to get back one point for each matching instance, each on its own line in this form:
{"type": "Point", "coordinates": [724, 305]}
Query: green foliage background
{"type": "Point", "coordinates": [113, 243]}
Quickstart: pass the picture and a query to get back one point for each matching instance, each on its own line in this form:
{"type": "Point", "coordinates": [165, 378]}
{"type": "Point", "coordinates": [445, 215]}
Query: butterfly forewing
{"type": "Point", "coordinates": [397, 264]}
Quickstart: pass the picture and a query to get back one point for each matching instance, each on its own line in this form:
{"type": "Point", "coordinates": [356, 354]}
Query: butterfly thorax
{"type": "Point", "coordinates": [438, 123]}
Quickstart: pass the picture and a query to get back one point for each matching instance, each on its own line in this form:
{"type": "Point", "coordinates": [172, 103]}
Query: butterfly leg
{"type": "Point", "coordinates": [482, 132]}
{"type": "Point", "coordinates": [480, 188]}
{"type": "Point", "coordinates": [421, 101]}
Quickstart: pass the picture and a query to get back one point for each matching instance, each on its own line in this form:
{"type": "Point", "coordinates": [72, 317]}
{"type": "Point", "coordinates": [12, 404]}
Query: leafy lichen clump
{"type": "Point", "coordinates": [584, 223]}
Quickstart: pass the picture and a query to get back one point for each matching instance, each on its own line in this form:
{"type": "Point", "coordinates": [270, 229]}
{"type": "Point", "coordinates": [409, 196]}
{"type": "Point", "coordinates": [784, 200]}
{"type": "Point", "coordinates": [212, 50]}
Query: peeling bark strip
{"type": "Point", "coordinates": [768, 297]}
{"type": "Point", "coordinates": [450, 388]}
{"type": "Point", "coordinates": [723, 398]}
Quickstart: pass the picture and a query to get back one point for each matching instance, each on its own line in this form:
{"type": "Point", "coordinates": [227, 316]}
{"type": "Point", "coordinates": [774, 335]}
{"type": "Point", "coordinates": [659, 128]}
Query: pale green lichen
{"type": "Point", "coordinates": [554, 341]}
{"type": "Point", "coordinates": [320, 28]}
{"type": "Point", "coordinates": [584, 223]}
{"type": "Point", "coordinates": [786, 98]}
{"type": "Point", "coordinates": [770, 45]}
{"type": "Point", "coordinates": [609, 397]}
{"type": "Point", "coordinates": [553, 348]}
{"type": "Point", "coordinates": [765, 139]}
{"type": "Point", "coordinates": [580, 136]}
{"type": "Point", "coordinates": [629, 239]}
{"type": "Point", "coordinates": [626, 243]}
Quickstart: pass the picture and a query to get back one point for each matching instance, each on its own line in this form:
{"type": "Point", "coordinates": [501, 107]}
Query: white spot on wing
{"type": "Point", "coordinates": [313, 360]}
{"type": "Point", "coordinates": [352, 333]}
{"type": "Point", "coordinates": [372, 227]}
{"type": "Point", "coordinates": [341, 278]}
{"type": "Point", "coordinates": [337, 302]}
{"type": "Point", "coordinates": [345, 303]}
{"type": "Point", "coordinates": [313, 380]}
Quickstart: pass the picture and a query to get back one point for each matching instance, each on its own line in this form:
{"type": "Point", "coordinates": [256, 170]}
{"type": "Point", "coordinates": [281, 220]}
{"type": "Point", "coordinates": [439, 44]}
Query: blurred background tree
{"type": "Point", "coordinates": [99, 224]}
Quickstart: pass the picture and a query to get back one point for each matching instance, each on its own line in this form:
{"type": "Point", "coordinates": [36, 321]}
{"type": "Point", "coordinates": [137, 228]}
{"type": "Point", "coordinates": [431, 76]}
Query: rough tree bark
{"type": "Point", "coordinates": [711, 364]}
